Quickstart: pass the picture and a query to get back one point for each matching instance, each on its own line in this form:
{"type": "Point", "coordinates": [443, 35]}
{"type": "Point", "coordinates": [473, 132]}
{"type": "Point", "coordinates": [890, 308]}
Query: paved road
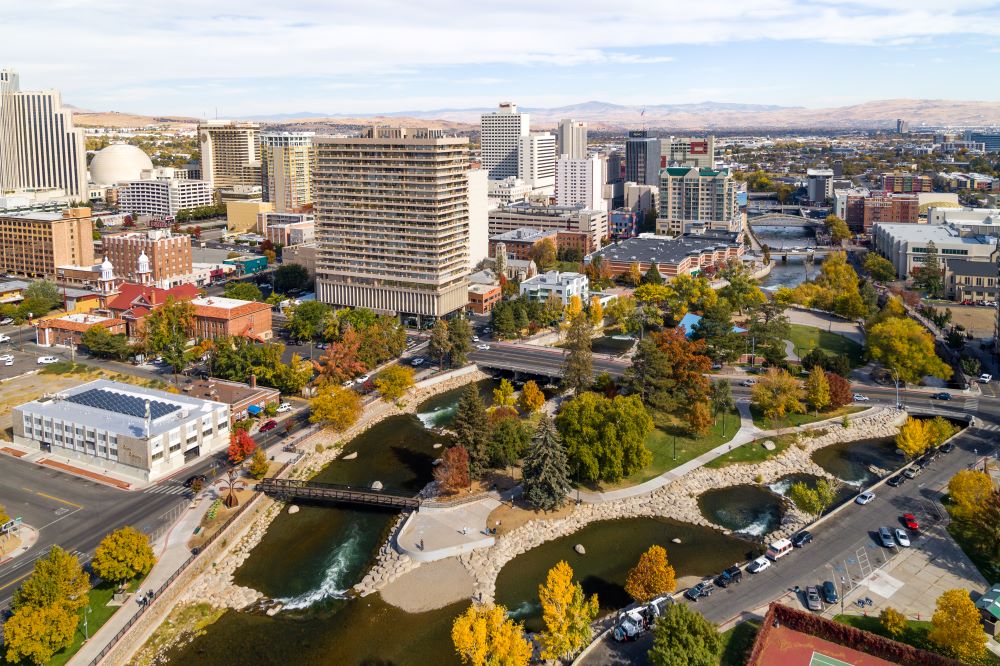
{"type": "Point", "coordinates": [544, 361]}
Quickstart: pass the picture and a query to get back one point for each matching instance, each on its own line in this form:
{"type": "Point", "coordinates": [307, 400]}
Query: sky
{"type": "Point", "coordinates": [225, 58]}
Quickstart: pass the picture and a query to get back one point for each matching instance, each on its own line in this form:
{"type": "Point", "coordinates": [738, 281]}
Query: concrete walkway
{"type": "Point", "coordinates": [826, 322]}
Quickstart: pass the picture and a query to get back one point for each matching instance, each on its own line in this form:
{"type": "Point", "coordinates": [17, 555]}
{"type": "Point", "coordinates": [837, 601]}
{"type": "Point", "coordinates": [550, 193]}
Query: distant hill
{"type": "Point", "coordinates": [116, 119]}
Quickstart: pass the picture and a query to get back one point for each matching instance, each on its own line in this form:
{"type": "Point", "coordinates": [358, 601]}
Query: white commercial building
{"type": "Point", "coordinates": [905, 245]}
{"type": "Point", "coordinates": [500, 134]}
{"type": "Point", "coordinates": [286, 164]}
{"type": "Point", "coordinates": [564, 285]}
{"type": "Point", "coordinates": [572, 139]}
{"type": "Point", "coordinates": [230, 153]}
{"type": "Point", "coordinates": [509, 190]}
{"type": "Point", "coordinates": [164, 197]}
{"type": "Point", "coordinates": [984, 221]}
{"type": "Point", "coordinates": [580, 181]}
{"type": "Point", "coordinates": [536, 161]}
{"type": "Point", "coordinates": [140, 432]}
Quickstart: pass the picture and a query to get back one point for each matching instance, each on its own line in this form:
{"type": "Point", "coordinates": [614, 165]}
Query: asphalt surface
{"type": "Point", "coordinates": [543, 361]}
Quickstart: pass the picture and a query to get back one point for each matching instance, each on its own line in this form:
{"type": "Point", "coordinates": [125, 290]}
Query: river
{"type": "Point", "coordinates": [796, 270]}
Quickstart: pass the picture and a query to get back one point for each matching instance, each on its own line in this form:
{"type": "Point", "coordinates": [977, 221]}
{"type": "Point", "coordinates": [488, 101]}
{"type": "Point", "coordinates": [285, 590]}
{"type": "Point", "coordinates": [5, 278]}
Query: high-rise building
{"type": "Point", "coordinates": [642, 158]}
{"type": "Point", "coordinates": [34, 244]}
{"type": "Point", "coordinates": [40, 148]}
{"type": "Point", "coordinates": [500, 133]}
{"type": "Point", "coordinates": [691, 197]}
{"type": "Point", "coordinates": [819, 185]}
{"type": "Point", "coordinates": [161, 194]}
{"type": "Point", "coordinates": [536, 161]}
{"type": "Point", "coordinates": [168, 254]}
{"type": "Point", "coordinates": [678, 151]}
{"type": "Point", "coordinates": [572, 139]}
{"type": "Point", "coordinates": [396, 244]}
{"type": "Point", "coordinates": [286, 166]}
{"type": "Point", "coordinates": [902, 126]}
{"type": "Point", "coordinates": [230, 153]}
{"type": "Point", "coordinates": [580, 181]}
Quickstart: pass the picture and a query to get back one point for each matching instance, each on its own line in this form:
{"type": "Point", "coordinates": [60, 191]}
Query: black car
{"type": "Point", "coordinates": [801, 539]}
{"type": "Point", "coordinates": [829, 592]}
{"type": "Point", "coordinates": [702, 589]}
{"type": "Point", "coordinates": [941, 396]}
{"type": "Point", "coordinates": [947, 447]}
{"type": "Point", "coordinates": [731, 576]}
{"type": "Point", "coordinates": [896, 481]}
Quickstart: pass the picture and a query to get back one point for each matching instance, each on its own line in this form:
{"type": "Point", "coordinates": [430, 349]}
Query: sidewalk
{"type": "Point", "coordinates": [75, 467]}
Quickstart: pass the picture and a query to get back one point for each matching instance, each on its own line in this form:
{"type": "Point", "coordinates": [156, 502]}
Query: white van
{"type": "Point", "coordinates": [778, 549]}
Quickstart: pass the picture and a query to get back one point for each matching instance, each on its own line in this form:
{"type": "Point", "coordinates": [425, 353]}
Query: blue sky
{"type": "Point", "coordinates": [250, 57]}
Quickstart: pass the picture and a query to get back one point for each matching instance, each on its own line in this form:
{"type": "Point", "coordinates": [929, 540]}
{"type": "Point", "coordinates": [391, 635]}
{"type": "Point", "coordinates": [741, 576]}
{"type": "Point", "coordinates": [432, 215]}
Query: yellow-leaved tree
{"type": "Point", "coordinates": [567, 613]}
{"type": "Point", "coordinates": [574, 307]}
{"type": "Point", "coordinates": [651, 576]}
{"type": "Point", "coordinates": [487, 636]}
{"type": "Point", "coordinates": [531, 398]}
{"type": "Point", "coordinates": [892, 621]}
{"type": "Point", "coordinates": [122, 555]}
{"type": "Point", "coordinates": [956, 629]}
{"type": "Point", "coordinates": [818, 389]}
{"type": "Point", "coordinates": [35, 634]}
{"type": "Point", "coordinates": [393, 382]}
{"type": "Point", "coordinates": [776, 394]}
{"type": "Point", "coordinates": [968, 491]}
{"type": "Point", "coordinates": [913, 438]}
{"type": "Point", "coordinates": [336, 407]}
{"type": "Point", "coordinates": [503, 395]}
{"type": "Point", "coordinates": [596, 310]}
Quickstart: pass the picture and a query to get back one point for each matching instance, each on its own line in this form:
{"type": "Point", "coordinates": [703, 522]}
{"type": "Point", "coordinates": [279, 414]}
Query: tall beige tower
{"type": "Point", "coordinates": [230, 153]}
{"type": "Point", "coordinates": [392, 221]}
{"type": "Point", "coordinates": [287, 160]}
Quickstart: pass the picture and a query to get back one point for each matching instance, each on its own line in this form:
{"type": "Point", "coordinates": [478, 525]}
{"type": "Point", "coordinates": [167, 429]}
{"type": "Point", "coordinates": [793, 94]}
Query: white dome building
{"type": "Point", "coordinates": [118, 163]}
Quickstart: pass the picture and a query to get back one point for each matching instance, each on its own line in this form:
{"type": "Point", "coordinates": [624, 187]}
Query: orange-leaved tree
{"type": "Point", "coordinates": [241, 446]}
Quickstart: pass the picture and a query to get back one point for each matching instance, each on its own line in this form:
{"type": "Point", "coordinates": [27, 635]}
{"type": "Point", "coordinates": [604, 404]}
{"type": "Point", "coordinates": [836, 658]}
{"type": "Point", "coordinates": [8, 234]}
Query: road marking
{"type": "Point", "coordinates": [16, 580]}
{"type": "Point", "coordinates": [38, 492]}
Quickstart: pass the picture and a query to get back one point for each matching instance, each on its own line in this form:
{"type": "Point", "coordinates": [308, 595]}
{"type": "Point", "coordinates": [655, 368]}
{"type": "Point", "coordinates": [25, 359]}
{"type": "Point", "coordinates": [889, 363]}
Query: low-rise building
{"type": "Point", "coordinates": [905, 183]}
{"type": "Point", "coordinates": [244, 400]}
{"type": "Point", "coordinates": [248, 264]}
{"type": "Point", "coordinates": [168, 255]}
{"type": "Point", "coordinates": [12, 291]}
{"type": "Point", "coordinates": [68, 330]}
{"type": "Point", "coordinates": [133, 302]}
{"type": "Point", "coordinates": [215, 317]}
{"type": "Point", "coordinates": [974, 281]}
{"type": "Point", "coordinates": [241, 216]}
{"type": "Point", "coordinates": [139, 432]}
{"type": "Point", "coordinates": [303, 255]}
{"type": "Point", "coordinates": [287, 228]}
{"type": "Point", "coordinates": [482, 297]}
{"type": "Point", "coordinates": [905, 245]}
{"type": "Point", "coordinates": [684, 255]}
{"type": "Point", "coordinates": [563, 285]}
{"type": "Point", "coordinates": [520, 243]}
{"type": "Point", "coordinates": [507, 191]}
{"type": "Point", "coordinates": [983, 221]}
{"type": "Point", "coordinates": [581, 227]}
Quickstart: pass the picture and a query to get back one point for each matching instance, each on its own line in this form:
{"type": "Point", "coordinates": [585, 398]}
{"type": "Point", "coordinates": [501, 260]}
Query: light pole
{"type": "Point", "coordinates": [86, 633]}
{"type": "Point", "coordinates": [843, 591]}
{"type": "Point", "coordinates": [895, 382]}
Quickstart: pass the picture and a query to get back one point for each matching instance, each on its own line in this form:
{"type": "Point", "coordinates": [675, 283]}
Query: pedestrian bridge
{"type": "Point", "coordinates": [294, 489]}
{"type": "Point", "coordinates": [782, 220]}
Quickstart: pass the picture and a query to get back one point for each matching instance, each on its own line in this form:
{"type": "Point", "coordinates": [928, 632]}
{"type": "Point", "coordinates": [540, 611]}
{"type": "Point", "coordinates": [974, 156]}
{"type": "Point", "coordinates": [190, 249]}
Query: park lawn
{"type": "Point", "coordinates": [737, 643]}
{"type": "Point", "coordinates": [100, 613]}
{"type": "Point", "coordinates": [661, 443]}
{"type": "Point", "coordinates": [963, 534]}
{"type": "Point", "coordinates": [796, 420]}
{"type": "Point", "coordinates": [915, 634]}
{"type": "Point", "coordinates": [753, 452]}
{"type": "Point", "coordinates": [806, 338]}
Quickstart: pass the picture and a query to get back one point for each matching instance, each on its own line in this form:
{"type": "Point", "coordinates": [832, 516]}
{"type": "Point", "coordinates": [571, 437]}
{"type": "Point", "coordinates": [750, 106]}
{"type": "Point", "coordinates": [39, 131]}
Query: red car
{"type": "Point", "coordinates": [911, 522]}
{"type": "Point", "coordinates": [267, 425]}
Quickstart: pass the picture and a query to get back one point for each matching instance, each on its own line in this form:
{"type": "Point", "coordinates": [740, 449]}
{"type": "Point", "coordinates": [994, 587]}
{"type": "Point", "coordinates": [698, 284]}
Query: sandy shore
{"type": "Point", "coordinates": [432, 585]}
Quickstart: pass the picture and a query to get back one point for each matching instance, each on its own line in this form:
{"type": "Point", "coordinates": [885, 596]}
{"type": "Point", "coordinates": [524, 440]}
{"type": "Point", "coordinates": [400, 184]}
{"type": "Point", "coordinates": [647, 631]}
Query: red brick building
{"type": "Point", "coordinates": [134, 302]}
{"type": "Point", "coordinates": [216, 317]}
{"type": "Point", "coordinates": [890, 208]}
{"type": "Point", "coordinates": [68, 331]}
{"type": "Point", "coordinates": [482, 298]}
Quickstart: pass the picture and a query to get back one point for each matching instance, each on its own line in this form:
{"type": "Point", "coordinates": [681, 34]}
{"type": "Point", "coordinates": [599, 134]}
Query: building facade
{"type": "Point", "coordinates": [230, 153]}
{"type": "Point", "coordinates": [303, 255]}
{"type": "Point", "coordinates": [562, 285]}
{"type": "Point", "coordinates": [580, 181]}
{"type": "Point", "coordinates": [164, 197]}
{"type": "Point", "coordinates": [168, 256]}
{"type": "Point", "coordinates": [34, 245]}
{"type": "Point", "coordinates": [590, 227]}
{"type": "Point", "coordinates": [520, 243]}
{"type": "Point", "coordinates": [686, 255]}
{"type": "Point", "coordinates": [286, 165]}
{"type": "Point", "coordinates": [884, 207]}
{"type": "Point", "coordinates": [67, 331]}
{"type": "Point", "coordinates": [397, 245]}
{"type": "Point", "coordinates": [975, 281]}
{"type": "Point", "coordinates": [680, 151]}
{"type": "Point", "coordinates": [642, 158]}
{"type": "Point", "coordinates": [905, 245]}
{"type": "Point", "coordinates": [287, 228]}
{"type": "Point", "coordinates": [482, 298]}
{"type": "Point", "coordinates": [623, 223]}
{"type": "Point", "coordinates": [500, 134]}
{"type": "Point", "coordinates": [819, 185]}
{"type": "Point", "coordinates": [690, 196]}
{"type": "Point", "coordinates": [905, 183]}
{"type": "Point", "coordinates": [571, 139]}
{"type": "Point", "coordinates": [536, 161]}
{"type": "Point", "coordinates": [216, 317]}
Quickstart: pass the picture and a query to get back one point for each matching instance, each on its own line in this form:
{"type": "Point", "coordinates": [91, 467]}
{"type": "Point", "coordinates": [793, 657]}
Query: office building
{"type": "Point", "coordinates": [287, 228]}
{"type": "Point", "coordinates": [163, 198]}
{"type": "Point", "coordinates": [580, 181]}
{"type": "Point", "coordinates": [482, 298]}
{"type": "Point", "coordinates": [286, 165]}
{"type": "Point", "coordinates": [641, 198]}
{"type": "Point", "coordinates": [905, 245]}
{"type": "Point", "coordinates": [684, 255]}
{"type": "Point", "coordinates": [398, 245]}
{"type": "Point", "coordinates": [216, 317]}
{"type": "Point", "coordinates": [572, 139]}
{"type": "Point", "coordinates": [167, 256]}
{"type": "Point", "coordinates": [623, 223]}
{"type": "Point", "coordinates": [884, 207]}
{"type": "Point", "coordinates": [819, 185]}
{"type": "Point", "coordinates": [230, 153]}
{"type": "Point", "coordinates": [509, 190]}
{"type": "Point", "coordinates": [642, 158]}
{"type": "Point", "coordinates": [35, 244]}
{"type": "Point", "coordinates": [536, 161]}
{"type": "Point", "coordinates": [40, 148]}
{"type": "Point", "coordinates": [678, 151]}
{"type": "Point", "coordinates": [500, 134]}
{"type": "Point", "coordinates": [849, 205]}
{"type": "Point", "coordinates": [989, 139]}
{"type": "Point", "coordinates": [242, 216]}
{"type": "Point", "coordinates": [142, 433]}
{"type": "Point", "coordinates": [692, 197]}
{"type": "Point", "coordinates": [303, 255]}
{"type": "Point", "coordinates": [563, 286]}
{"type": "Point", "coordinates": [479, 221]}
{"type": "Point", "coordinates": [578, 227]}
{"type": "Point", "coordinates": [902, 126]}
{"type": "Point", "coordinates": [244, 400]}
{"type": "Point", "coordinates": [905, 183]}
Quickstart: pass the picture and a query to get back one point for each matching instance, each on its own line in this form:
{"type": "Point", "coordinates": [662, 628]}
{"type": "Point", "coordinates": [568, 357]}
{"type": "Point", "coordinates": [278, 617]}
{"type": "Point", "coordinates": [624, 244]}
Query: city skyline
{"type": "Point", "coordinates": [249, 58]}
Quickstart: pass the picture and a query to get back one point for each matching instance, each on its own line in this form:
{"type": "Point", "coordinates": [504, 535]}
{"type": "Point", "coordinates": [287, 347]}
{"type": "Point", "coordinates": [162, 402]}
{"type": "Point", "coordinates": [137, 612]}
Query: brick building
{"type": "Point", "coordinates": [884, 207]}
{"type": "Point", "coordinates": [905, 183]}
{"type": "Point", "coordinates": [686, 255]}
{"type": "Point", "coordinates": [241, 398]}
{"type": "Point", "coordinates": [482, 297]}
{"type": "Point", "coordinates": [520, 243]}
{"type": "Point", "coordinates": [216, 317]}
{"type": "Point", "coordinates": [68, 330]}
{"type": "Point", "coordinates": [134, 302]}
{"type": "Point", "coordinates": [169, 255]}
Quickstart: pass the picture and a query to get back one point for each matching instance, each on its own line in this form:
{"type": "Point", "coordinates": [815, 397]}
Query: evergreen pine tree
{"type": "Point", "coordinates": [472, 430]}
{"type": "Point", "coordinates": [652, 275]}
{"type": "Point", "coordinates": [651, 376]}
{"type": "Point", "coordinates": [546, 470]}
{"type": "Point", "coordinates": [578, 370]}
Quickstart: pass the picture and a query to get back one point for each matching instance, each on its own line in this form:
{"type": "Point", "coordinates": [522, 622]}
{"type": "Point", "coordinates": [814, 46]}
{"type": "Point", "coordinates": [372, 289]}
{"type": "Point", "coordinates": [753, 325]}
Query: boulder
{"type": "Point", "coordinates": [769, 445]}
{"type": "Point", "coordinates": [675, 540]}
{"type": "Point", "coordinates": [580, 549]}
{"type": "Point", "coordinates": [350, 456]}
{"type": "Point", "coordinates": [293, 509]}
{"type": "Point", "coordinates": [376, 485]}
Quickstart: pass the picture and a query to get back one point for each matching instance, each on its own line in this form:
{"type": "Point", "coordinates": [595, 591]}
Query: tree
{"type": "Point", "coordinates": [879, 268]}
{"type": "Point", "coordinates": [939, 429]}
{"type": "Point", "coordinates": [722, 344]}
{"type": "Point", "coordinates": [566, 612]}
{"type": "Point", "coordinates": [651, 576]}
{"type": "Point", "coordinates": [531, 399]}
{"type": "Point", "coordinates": [123, 555]}
{"type": "Point", "coordinates": [290, 276]}
{"type": "Point", "coordinates": [813, 500]}
{"type": "Point", "coordinates": [913, 438]}
{"type": "Point", "coordinates": [596, 311]}
{"type": "Point", "coordinates": [545, 472]}
{"type": "Point", "coordinates": [721, 397]}
{"type": "Point", "coordinates": [342, 359]}
{"type": "Point", "coordinates": [777, 395]}
{"type": "Point", "coordinates": [460, 335]}
{"type": "Point", "coordinates": [393, 382]}
{"type": "Point", "coordinates": [487, 637]}
{"type": "Point", "coordinates": [102, 343]}
{"type": "Point", "coordinates": [472, 429]}
{"type": "Point", "coordinates": [955, 627]}
{"type": "Point", "coordinates": [573, 308]}
{"type": "Point", "coordinates": [34, 634]}
{"type": "Point", "coordinates": [683, 637]}
{"type": "Point", "coordinates": [840, 390]}
{"type": "Point", "coordinates": [336, 407]}
{"type": "Point", "coordinates": [634, 277]}
{"type": "Point", "coordinates": [243, 291]}
{"type": "Point", "coordinates": [45, 294]}
{"type": "Point", "coordinates": [818, 389]}
{"type": "Point", "coordinates": [290, 378]}
{"type": "Point", "coordinates": [742, 292]}
{"type": "Point", "coordinates": [893, 622]}
{"type": "Point", "coordinates": [503, 396]}
{"type": "Point", "coordinates": [929, 276]}
{"type": "Point", "coordinates": [681, 378]}
{"type": "Point", "coordinates": [508, 442]}
{"type": "Point", "coordinates": [57, 579]}
{"type": "Point", "coordinates": [308, 320]}
{"type": "Point", "coordinates": [258, 464]}
{"type": "Point", "coordinates": [440, 343]}
{"type": "Point", "coordinates": [241, 446]}
{"type": "Point", "coordinates": [578, 368]}
{"type": "Point", "coordinates": [985, 524]}
{"type": "Point", "coordinates": [838, 229]}
{"type": "Point", "coordinates": [166, 331]}
{"type": "Point", "coordinates": [543, 253]}
{"type": "Point", "coordinates": [968, 491]}
{"type": "Point", "coordinates": [453, 473]}
{"type": "Point", "coordinates": [698, 418]}
{"type": "Point", "coordinates": [605, 438]}
{"type": "Point", "coordinates": [904, 346]}
{"type": "Point", "coordinates": [652, 275]}
{"type": "Point", "coordinates": [651, 375]}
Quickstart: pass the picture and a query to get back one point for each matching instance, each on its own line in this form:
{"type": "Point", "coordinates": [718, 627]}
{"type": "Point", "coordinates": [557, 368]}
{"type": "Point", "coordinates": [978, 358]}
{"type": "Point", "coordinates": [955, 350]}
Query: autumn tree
{"type": "Point", "coordinates": [683, 637]}
{"type": "Point", "coordinates": [440, 343]}
{"type": "Point", "coordinates": [258, 464]}
{"type": "Point", "coordinates": [393, 382]}
{"type": "Point", "coordinates": [167, 329]}
{"type": "Point", "coordinates": [879, 268]}
{"type": "Point", "coordinates": [669, 370]}
{"type": "Point", "coordinates": [893, 622]}
{"type": "Point", "coordinates": [838, 229]}
{"type": "Point", "coordinates": [241, 446]}
{"type": "Point", "coordinates": [939, 429]}
{"type": "Point", "coordinates": [817, 389]}
{"type": "Point", "coordinates": [545, 472]}
{"type": "Point", "coordinates": [472, 430]}
{"type": "Point", "coordinates": [912, 439]}
{"type": "Point", "coordinates": [543, 253]}
{"type": "Point", "coordinates": [651, 576]}
{"type": "Point", "coordinates": [595, 312]}
{"type": "Point", "coordinates": [58, 578]}
{"type": "Point", "coordinates": [815, 499]}
{"type": "Point", "coordinates": [968, 491]}
{"type": "Point", "coordinates": [985, 523]}
{"type": "Point", "coordinates": [566, 613]}
{"type": "Point", "coordinates": [699, 420]}
{"type": "Point", "coordinates": [123, 555]}
{"type": "Point", "coordinates": [840, 390]}
{"type": "Point", "coordinates": [531, 399]}
{"type": "Point", "coordinates": [452, 474]}
{"type": "Point", "coordinates": [578, 368]}
{"type": "Point", "coordinates": [776, 395]}
{"type": "Point", "coordinates": [342, 360]}
{"type": "Point", "coordinates": [903, 345]}
{"type": "Point", "coordinates": [336, 407]}
{"type": "Point", "coordinates": [605, 438]}
{"type": "Point", "coordinates": [503, 395]}
{"type": "Point", "coordinates": [634, 276]}
{"type": "Point", "coordinates": [487, 637]}
{"type": "Point", "coordinates": [956, 628]}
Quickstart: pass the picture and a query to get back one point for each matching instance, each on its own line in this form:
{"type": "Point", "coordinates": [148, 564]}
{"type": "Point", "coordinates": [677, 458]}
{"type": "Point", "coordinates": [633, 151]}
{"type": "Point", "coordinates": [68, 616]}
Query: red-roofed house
{"type": "Point", "coordinates": [134, 301]}
{"type": "Point", "coordinates": [215, 317]}
{"type": "Point", "coordinates": [68, 330]}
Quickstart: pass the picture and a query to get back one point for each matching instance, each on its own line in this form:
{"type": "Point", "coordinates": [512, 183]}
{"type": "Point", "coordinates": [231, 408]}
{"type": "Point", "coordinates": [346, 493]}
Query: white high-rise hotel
{"type": "Point", "coordinates": [580, 181]}
{"type": "Point", "coordinates": [536, 161]}
{"type": "Point", "coordinates": [500, 133]}
{"type": "Point", "coordinates": [572, 138]}
{"type": "Point", "coordinates": [40, 149]}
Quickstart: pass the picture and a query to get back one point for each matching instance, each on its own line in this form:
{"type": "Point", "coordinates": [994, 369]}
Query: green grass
{"type": "Point", "coordinates": [806, 338]}
{"type": "Point", "coordinates": [737, 643]}
{"type": "Point", "coordinates": [915, 634]}
{"type": "Point", "coordinates": [796, 420]}
{"type": "Point", "coordinates": [753, 452]}
{"type": "Point", "coordinates": [964, 536]}
{"type": "Point", "coordinates": [66, 368]}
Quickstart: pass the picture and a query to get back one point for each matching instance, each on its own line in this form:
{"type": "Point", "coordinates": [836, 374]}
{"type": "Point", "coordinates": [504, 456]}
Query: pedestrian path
{"type": "Point", "coordinates": [166, 489]}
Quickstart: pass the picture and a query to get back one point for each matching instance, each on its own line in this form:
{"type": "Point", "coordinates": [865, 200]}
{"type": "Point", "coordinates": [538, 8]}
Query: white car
{"type": "Point", "coordinates": [985, 378]}
{"type": "Point", "coordinates": [362, 379]}
{"type": "Point", "coordinates": [6, 357]}
{"type": "Point", "coordinates": [475, 338]}
{"type": "Point", "coordinates": [284, 407]}
{"type": "Point", "coordinates": [860, 398]}
{"type": "Point", "coordinates": [483, 347]}
{"type": "Point", "coordinates": [4, 337]}
{"type": "Point", "coordinates": [348, 384]}
{"type": "Point", "coordinates": [865, 498]}
{"type": "Point", "coordinates": [750, 382]}
{"type": "Point", "coordinates": [758, 565]}
{"type": "Point", "coordinates": [903, 538]}
{"type": "Point", "coordinates": [47, 360]}
{"type": "Point", "coordinates": [9, 362]}
{"type": "Point", "coordinates": [6, 321]}
{"type": "Point", "coordinates": [417, 362]}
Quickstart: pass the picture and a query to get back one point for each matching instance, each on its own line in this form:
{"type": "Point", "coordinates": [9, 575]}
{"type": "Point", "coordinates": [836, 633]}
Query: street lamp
{"type": "Point", "coordinates": [843, 591]}
{"type": "Point", "coordinates": [895, 382]}
{"type": "Point", "coordinates": [86, 632]}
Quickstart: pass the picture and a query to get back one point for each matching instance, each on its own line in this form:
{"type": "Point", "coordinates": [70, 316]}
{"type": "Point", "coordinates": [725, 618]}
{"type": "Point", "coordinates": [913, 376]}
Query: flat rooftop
{"type": "Point", "coordinates": [661, 249]}
{"type": "Point", "coordinates": [220, 302]}
{"type": "Point", "coordinates": [523, 235]}
{"type": "Point", "coordinates": [938, 233]}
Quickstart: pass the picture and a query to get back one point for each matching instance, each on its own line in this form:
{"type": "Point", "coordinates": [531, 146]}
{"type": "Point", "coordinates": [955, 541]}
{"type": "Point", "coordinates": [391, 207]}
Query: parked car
{"type": "Point", "coordinates": [830, 592]}
{"type": "Point", "coordinates": [802, 538]}
{"type": "Point", "coordinates": [778, 549]}
{"type": "Point", "coordinates": [902, 537]}
{"type": "Point", "coordinates": [947, 447]}
{"type": "Point", "coordinates": [362, 379]}
{"type": "Point", "coordinates": [6, 357]}
{"type": "Point", "coordinates": [910, 472]}
{"type": "Point", "coordinates": [984, 378]}
{"type": "Point", "coordinates": [9, 362]}
{"type": "Point", "coordinates": [475, 338]}
{"type": "Point", "coordinates": [321, 345]}
{"type": "Point", "coordinates": [896, 481]}
{"type": "Point", "coordinates": [758, 565]}
{"type": "Point", "coordinates": [941, 396]}
{"type": "Point", "coordinates": [731, 576]}
{"type": "Point", "coordinates": [6, 321]}
{"type": "Point", "coordinates": [865, 497]}
{"type": "Point", "coordinates": [47, 360]}
{"type": "Point", "coordinates": [813, 602]}
{"type": "Point", "coordinates": [417, 362]}
{"type": "Point", "coordinates": [4, 337]}
{"type": "Point", "coordinates": [750, 382]}
{"type": "Point", "coordinates": [267, 425]}
{"type": "Point", "coordinates": [885, 537]}
{"type": "Point", "coordinates": [702, 589]}
{"type": "Point", "coordinates": [911, 522]}
{"type": "Point", "coordinates": [284, 407]}
{"type": "Point", "coordinates": [860, 398]}
{"type": "Point", "coordinates": [483, 347]}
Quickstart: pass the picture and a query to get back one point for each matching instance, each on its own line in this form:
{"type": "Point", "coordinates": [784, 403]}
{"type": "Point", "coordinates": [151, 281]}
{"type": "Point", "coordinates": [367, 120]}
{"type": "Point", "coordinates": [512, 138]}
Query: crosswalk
{"type": "Point", "coordinates": [971, 405]}
{"type": "Point", "coordinates": [167, 489]}
{"type": "Point", "coordinates": [990, 428]}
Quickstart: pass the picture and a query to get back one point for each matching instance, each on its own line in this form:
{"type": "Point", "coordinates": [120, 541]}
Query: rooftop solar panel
{"type": "Point", "coordinates": [119, 403]}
